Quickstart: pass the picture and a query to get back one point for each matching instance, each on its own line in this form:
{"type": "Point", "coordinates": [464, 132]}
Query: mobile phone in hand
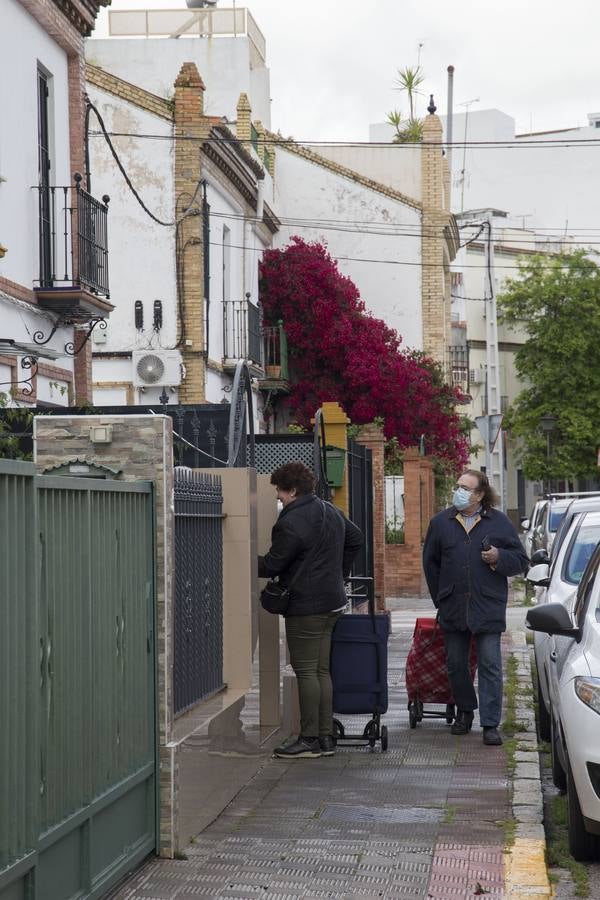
{"type": "Point", "coordinates": [486, 544]}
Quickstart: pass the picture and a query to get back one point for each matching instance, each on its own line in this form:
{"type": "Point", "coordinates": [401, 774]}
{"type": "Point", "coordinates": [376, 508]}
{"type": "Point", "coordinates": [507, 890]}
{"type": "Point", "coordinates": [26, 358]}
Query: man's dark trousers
{"type": "Point", "coordinates": [489, 673]}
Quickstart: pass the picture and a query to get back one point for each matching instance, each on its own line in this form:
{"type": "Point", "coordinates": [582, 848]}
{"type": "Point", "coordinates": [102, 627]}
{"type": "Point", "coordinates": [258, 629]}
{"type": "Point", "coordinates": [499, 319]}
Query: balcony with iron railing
{"type": "Point", "coordinates": [276, 358]}
{"type": "Point", "coordinates": [73, 251]}
{"type": "Point", "coordinates": [242, 338]}
{"type": "Point", "coordinates": [458, 367]}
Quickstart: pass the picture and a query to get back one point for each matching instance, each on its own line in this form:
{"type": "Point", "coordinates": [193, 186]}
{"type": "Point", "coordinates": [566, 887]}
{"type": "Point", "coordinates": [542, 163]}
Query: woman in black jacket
{"type": "Point", "coordinates": [317, 597]}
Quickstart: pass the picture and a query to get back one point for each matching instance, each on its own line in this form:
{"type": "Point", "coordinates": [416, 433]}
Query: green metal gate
{"type": "Point", "coordinates": [77, 675]}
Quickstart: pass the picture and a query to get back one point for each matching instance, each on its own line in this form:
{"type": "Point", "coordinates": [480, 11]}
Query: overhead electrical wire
{"type": "Point", "coordinates": [189, 210]}
{"type": "Point", "coordinates": [559, 143]}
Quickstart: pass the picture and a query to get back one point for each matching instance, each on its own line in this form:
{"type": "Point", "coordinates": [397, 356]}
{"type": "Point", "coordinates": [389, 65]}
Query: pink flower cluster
{"type": "Point", "coordinates": [338, 351]}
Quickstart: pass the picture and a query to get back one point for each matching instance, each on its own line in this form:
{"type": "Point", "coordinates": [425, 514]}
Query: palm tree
{"type": "Point", "coordinates": [409, 80]}
{"type": "Point", "coordinates": [411, 132]}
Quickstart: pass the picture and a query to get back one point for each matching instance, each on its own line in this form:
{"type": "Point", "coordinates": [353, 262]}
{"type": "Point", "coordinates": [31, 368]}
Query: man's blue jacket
{"type": "Point", "coordinates": [467, 592]}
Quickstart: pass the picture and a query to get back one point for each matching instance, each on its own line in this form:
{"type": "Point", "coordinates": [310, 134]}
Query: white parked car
{"type": "Point", "coordinates": [574, 628]}
{"type": "Point", "coordinates": [528, 526]}
{"type": "Point", "coordinates": [555, 580]}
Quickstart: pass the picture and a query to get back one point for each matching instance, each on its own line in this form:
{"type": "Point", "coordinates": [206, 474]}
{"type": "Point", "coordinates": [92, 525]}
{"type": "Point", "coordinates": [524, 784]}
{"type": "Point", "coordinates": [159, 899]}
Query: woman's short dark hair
{"type": "Point", "coordinates": [294, 475]}
{"type": "Point", "coordinates": [490, 497]}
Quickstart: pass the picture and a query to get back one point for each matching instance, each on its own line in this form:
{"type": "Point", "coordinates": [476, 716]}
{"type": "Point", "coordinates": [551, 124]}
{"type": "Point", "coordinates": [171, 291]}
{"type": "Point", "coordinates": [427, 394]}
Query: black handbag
{"type": "Point", "coordinates": [275, 597]}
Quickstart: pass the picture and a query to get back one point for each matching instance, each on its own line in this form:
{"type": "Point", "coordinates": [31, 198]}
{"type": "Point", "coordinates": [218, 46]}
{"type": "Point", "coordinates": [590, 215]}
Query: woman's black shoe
{"type": "Point", "coordinates": [463, 723]}
{"type": "Point", "coordinates": [327, 744]}
{"type": "Point", "coordinates": [302, 748]}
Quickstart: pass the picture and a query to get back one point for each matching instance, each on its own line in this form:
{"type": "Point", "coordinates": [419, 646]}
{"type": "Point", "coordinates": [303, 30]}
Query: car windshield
{"type": "Point", "coordinates": [582, 547]}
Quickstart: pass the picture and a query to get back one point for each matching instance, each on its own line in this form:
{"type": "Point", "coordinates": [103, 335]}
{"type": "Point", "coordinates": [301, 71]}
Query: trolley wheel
{"type": "Point", "coordinates": [412, 715]}
{"type": "Point", "coordinates": [370, 733]}
{"type": "Point", "coordinates": [338, 730]}
{"type": "Point", "coordinates": [384, 738]}
{"type": "Point", "coordinates": [450, 713]}
{"type": "Point", "coordinates": [419, 709]}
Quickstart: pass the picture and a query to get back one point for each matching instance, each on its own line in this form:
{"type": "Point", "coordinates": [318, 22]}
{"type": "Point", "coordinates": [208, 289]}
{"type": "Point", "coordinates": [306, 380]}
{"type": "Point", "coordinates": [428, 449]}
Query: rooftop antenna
{"type": "Point", "coordinates": [467, 104]}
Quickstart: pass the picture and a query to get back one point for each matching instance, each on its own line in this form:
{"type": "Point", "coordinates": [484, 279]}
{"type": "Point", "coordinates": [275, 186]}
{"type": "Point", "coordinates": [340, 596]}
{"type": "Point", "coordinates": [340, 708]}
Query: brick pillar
{"type": "Point", "coordinates": [261, 139]}
{"type": "Point", "coordinates": [427, 479]}
{"type": "Point", "coordinates": [244, 126]}
{"type": "Point", "coordinates": [373, 437]}
{"type": "Point", "coordinates": [189, 122]}
{"type": "Point", "coordinates": [82, 368]}
{"type": "Point", "coordinates": [436, 317]}
{"type": "Point", "coordinates": [412, 497]}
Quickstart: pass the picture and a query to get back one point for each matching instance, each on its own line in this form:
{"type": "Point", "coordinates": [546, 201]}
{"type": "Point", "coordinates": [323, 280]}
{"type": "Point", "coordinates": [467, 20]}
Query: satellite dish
{"type": "Point", "coordinates": [200, 4]}
{"type": "Point", "coordinates": [150, 368]}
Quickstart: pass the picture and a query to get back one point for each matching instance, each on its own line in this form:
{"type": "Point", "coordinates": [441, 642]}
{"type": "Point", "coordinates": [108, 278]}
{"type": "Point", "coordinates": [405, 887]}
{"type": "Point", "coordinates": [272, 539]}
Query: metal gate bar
{"type": "Point", "coordinates": [198, 659]}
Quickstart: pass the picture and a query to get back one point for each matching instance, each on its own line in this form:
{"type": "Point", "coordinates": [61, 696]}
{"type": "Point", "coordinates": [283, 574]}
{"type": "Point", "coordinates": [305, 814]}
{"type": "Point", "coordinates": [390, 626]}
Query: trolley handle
{"type": "Point", "coordinates": [359, 581]}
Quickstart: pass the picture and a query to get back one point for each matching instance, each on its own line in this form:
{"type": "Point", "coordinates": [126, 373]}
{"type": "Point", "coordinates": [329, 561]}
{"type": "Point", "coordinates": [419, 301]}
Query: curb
{"type": "Point", "coordinates": [526, 875]}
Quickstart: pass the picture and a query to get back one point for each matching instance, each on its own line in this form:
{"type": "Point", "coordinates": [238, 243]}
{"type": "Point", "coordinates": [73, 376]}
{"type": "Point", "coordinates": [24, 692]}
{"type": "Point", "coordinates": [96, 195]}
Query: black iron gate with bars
{"type": "Point", "coordinates": [198, 625]}
{"type": "Point", "coordinates": [360, 489]}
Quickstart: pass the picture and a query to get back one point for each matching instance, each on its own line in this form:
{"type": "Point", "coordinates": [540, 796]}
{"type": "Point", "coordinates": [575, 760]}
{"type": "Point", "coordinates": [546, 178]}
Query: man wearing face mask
{"type": "Point", "coordinates": [470, 550]}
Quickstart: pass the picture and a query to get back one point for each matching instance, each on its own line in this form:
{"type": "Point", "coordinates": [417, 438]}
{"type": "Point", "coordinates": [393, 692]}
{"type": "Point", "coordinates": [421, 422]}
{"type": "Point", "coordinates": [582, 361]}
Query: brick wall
{"type": "Point", "coordinates": [403, 567]}
{"type": "Point", "coordinates": [435, 304]}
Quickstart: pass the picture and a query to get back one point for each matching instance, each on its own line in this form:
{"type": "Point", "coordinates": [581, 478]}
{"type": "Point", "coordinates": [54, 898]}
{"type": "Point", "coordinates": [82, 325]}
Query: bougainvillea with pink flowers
{"type": "Point", "coordinates": [338, 351]}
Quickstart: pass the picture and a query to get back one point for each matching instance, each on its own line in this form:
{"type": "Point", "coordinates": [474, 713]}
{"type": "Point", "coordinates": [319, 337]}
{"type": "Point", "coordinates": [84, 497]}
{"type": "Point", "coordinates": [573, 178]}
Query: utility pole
{"type": "Point", "coordinates": [494, 455]}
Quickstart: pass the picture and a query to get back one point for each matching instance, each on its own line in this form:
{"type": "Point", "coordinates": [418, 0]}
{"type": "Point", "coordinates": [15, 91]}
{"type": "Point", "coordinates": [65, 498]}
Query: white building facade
{"type": "Point", "coordinates": [47, 298]}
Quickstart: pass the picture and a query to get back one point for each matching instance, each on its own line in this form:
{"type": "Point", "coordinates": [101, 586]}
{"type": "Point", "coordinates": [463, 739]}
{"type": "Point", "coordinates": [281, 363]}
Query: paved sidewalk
{"type": "Point", "coordinates": [429, 818]}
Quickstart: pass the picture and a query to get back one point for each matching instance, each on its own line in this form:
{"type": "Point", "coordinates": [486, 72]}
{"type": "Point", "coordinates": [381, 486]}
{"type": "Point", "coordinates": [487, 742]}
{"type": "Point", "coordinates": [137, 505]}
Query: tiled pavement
{"type": "Point", "coordinates": [425, 819]}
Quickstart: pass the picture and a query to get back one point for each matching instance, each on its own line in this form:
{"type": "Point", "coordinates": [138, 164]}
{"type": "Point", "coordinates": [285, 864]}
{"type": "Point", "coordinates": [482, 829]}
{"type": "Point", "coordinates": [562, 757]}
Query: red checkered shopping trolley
{"type": "Point", "coordinates": [427, 675]}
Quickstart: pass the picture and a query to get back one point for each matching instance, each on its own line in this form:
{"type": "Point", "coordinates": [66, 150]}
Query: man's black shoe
{"type": "Point", "coordinates": [491, 736]}
{"type": "Point", "coordinates": [327, 745]}
{"type": "Point", "coordinates": [302, 748]}
{"type": "Point", "coordinates": [463, 723]}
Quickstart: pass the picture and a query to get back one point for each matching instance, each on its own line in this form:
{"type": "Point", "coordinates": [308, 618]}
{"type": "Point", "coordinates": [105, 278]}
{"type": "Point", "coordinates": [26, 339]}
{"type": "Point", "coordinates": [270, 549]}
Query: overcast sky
{"type": "Point", "coordinates": [333, 62]}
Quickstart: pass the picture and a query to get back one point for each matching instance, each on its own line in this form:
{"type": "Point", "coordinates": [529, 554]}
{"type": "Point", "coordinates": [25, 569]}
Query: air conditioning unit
{"type": "Point", "coordinates": [155, 368]}
{"type": "Point", "coordinates": [477, 376]}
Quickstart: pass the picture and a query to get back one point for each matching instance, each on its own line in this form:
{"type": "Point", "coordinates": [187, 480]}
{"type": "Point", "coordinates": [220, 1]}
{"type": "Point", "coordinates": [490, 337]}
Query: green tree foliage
{"type": "Point", "coordinates": [557, 301]}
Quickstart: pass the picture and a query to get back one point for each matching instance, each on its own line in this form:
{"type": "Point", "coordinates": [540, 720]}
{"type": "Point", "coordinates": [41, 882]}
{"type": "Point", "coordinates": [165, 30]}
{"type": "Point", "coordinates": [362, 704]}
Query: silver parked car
{"type": "Point", "coordinates": [555, 581]}
{"type": "Point", "coordinates": [574, 629]}
{"type": "Point", "coordinates": [528, 526]}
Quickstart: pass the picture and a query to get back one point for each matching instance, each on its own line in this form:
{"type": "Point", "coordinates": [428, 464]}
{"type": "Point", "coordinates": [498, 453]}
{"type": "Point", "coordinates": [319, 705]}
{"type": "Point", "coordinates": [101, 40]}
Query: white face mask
{"type": "Point", "coordinates": [461, 498]}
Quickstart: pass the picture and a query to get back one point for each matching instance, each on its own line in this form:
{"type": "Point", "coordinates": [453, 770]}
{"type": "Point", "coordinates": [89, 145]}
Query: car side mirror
{"type": "Point", "coordinates": [540, 556]}
{"type": "Point", "coordinates": [538, 575]}
{"type": "Point", "coordinates": [552, 618]}
{"type": "Point", "coordinates": [525, 524]}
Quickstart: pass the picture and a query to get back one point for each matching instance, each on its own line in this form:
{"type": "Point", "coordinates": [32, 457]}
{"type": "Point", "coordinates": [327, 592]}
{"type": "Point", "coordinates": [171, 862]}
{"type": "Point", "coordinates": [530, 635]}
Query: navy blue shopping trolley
{"type": "Point", "coordinates": [359, 666]}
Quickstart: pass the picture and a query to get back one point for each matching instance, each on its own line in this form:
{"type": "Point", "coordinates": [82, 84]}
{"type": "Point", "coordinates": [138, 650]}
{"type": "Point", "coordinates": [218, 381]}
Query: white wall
{"type": "Point", "coordinates": [391, 292]}
{"type": "Point", "coordinates": [20, 321]}
{"type": "Point", "coordinates": [223, 63]}
{"type": "Point", "coordinates": [549, 186]}
{"type": "Point", "coordinates": [398, 166]}
{"type": "Point", "coordinates": [141, 252]}
{"type": "Point", "coordinates": [24, 44]}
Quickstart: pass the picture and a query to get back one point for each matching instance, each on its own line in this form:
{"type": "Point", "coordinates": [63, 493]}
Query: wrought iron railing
{"type": "Point", "coordinates": [275, 352]}
{"type": "Point", "coordinates": [198, 652]}
{"type": "Point", "coordinates": [73, 238]}
{"type": "Point", "coordinates": [458, 365]}
{"type": "Point", "coordinates": [242, 338]}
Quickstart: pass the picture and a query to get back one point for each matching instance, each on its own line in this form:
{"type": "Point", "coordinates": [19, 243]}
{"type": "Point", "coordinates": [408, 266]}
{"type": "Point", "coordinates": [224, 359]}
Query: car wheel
{"type": "Point", "coordinates": [558, 773]}
{"type": "Point", "coordinates": [582, 845]}
{"type": "Point", "coordinates": [543, 716]}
